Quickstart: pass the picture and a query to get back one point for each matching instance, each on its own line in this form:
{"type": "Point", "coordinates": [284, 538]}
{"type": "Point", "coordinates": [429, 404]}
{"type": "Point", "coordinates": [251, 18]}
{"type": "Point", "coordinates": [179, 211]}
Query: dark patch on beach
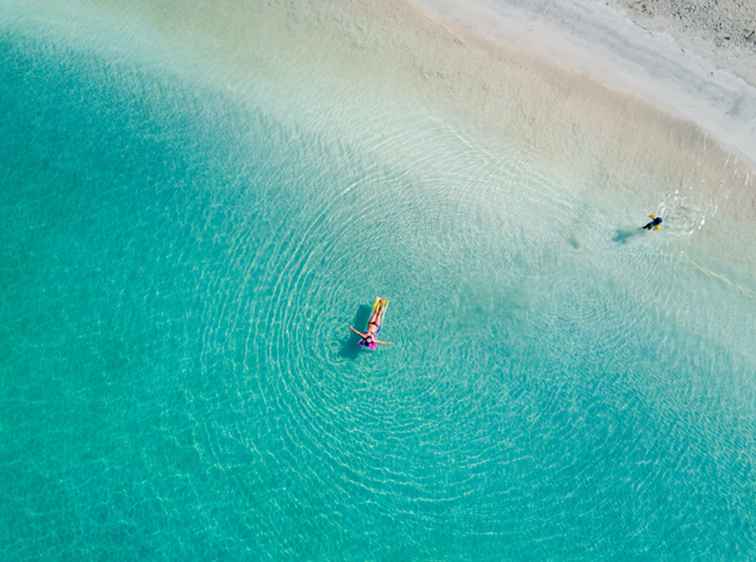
{"type": "Point", "coordinates": [573, 242]}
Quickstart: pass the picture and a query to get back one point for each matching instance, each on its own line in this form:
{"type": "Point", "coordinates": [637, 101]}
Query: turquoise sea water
{"type": "Point", "coordinates": [178, 382]}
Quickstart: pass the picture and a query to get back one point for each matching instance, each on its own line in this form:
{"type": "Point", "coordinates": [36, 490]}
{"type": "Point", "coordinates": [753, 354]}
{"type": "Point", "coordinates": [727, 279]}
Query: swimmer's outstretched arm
{"type": "Point", "coordinates": [356, 331]}
{"type": "Point", "coordinates": [383, 342]}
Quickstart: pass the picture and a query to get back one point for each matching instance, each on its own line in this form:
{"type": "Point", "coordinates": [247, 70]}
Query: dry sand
{"type": "Point", "coordinates": [723, 29]}
{"type": "Point", "coordinates": [711, 85]}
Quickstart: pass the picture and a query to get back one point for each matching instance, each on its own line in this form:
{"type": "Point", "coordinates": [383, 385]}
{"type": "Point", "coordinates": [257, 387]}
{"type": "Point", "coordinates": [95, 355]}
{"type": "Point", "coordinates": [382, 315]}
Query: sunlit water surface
{"type": "Point", "coordinates": [178, 383]}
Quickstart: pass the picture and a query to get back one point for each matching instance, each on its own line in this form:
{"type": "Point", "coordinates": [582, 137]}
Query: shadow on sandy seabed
{"type": "Point", "coordinates": [349, 345]}
{"type": "Point", "coordinates": [624, 235]}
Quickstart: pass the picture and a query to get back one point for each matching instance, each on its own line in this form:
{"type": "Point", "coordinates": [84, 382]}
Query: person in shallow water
{"type": "Point", "coordinates": [370, 339]}
{"type": "Point", "coordinates": [653, 224]}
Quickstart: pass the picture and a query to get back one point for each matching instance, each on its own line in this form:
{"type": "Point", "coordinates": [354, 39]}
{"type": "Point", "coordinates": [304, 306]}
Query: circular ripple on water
{"type": "Point", "coordinates": [686, 211]}
{"type": "Point", "coordinates": [292, 336]}
{"type": "Point", "coordinates": [405, 427]}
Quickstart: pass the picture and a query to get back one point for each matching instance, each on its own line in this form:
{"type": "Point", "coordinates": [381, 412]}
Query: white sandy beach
{"type": "Point", "coordinates": [579, 85]}
{"type": "Point", "coordinates": [681, 73]}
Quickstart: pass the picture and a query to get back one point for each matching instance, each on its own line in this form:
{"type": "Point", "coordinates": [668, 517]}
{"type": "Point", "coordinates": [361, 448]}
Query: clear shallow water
{"type": "Point", "coordinates": [179, 383]}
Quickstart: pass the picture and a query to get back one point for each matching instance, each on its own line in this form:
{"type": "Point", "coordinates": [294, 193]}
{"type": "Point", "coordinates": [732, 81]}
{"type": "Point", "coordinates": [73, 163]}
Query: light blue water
{"type": "Point", "coordinates": [178, 382]}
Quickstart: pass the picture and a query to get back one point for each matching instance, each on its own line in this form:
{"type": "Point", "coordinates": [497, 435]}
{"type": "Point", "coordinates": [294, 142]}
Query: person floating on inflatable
{"type": "Point", "coordinates": [654, 224]}
{"type": "Point", "coordinates": [370, 339]}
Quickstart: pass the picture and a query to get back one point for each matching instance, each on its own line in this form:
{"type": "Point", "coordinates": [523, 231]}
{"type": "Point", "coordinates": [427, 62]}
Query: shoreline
{"type": "Point", "coordinates": [354, 65]}
{"type": "Point", "coordinates": [604, 45]}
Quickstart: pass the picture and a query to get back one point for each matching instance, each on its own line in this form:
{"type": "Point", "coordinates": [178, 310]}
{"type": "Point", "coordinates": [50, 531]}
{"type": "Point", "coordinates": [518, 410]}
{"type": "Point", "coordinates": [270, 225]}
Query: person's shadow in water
{"type": "Point", "coordinates": [624, 235]}
{"type": "Point", "coordinates": [349, 345]}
